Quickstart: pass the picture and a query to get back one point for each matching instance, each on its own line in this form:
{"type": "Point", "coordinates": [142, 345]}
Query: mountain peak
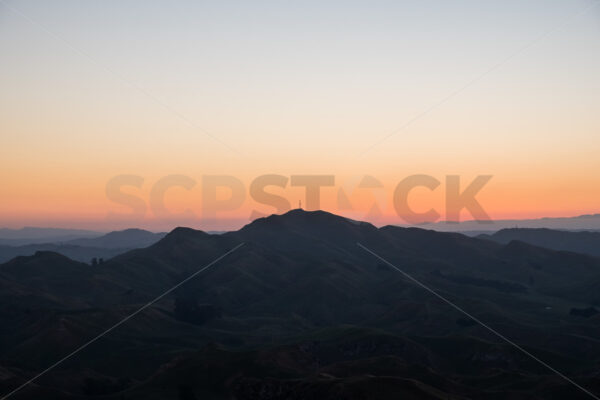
{"type": "Point", "coordinates": [305, 225]}
{"type": "Point", "coordinates": [130, 231]}
{"type": "Point", "coordinates": [41, 259]}
{"type": "Point", "coordinates": [299, 217]}
{"type": "Point", "coordinates": [299, 214]}
{"type": "Point", "coordinates": [46, 255]}
{"type": "Point", "coordinates": [184, 230]}
{"type": "Point", "coordinates": [182, 234]}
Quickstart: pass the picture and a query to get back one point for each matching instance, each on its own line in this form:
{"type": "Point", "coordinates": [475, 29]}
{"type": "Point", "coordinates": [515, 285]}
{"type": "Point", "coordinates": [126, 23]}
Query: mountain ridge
{"type": "Point", "coordinates": [301, 310]}
{"type": "Point", "coordinates": [577, 242]}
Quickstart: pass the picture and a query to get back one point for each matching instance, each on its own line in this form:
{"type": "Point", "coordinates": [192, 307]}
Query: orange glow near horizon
{"type": "Point", "coordinates": [86, 205]}
{"type": "Point", "coordinates": [310, 88]}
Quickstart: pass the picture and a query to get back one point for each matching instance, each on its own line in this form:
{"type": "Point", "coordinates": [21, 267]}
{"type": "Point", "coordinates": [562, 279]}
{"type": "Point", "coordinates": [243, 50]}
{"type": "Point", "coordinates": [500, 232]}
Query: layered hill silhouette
{"type": "Point", "coordinates": [578, 242]}
{"type": "Point", "coordinates": [301, 311]}
{"type": "Point", "coordinates": [32, 235]}
{"type": "Point", "coordinates": [581, 222]}
{"type": "Point", "coordinates": [84, 249]}
{"type": "Point", "coordinates": [128, 238]}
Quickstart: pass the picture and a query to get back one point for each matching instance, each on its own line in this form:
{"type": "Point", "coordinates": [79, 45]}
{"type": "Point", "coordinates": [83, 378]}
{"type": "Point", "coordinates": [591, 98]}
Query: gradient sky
{"type": "Point", "coordinates": [91, 90]}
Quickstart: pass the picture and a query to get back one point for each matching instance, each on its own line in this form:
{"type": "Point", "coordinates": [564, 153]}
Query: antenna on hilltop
{"type": "Point", "coordinates": [300, 204]}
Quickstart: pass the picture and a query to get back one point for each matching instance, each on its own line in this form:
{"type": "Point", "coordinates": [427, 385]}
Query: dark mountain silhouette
{"type": "Point", "coordinates": [578, 242]}
{"type": "Point", "coordinates": [126, 239]}
{"type": "Point", "coordinates": [85, 249]}
{"type": "Point", "coordinates": [30, 232]}
{"type": "Point", "coordinates": [589, 222]}
{"type": "Point", "coordinates": [30, 235]}
{"type": "Point", "coordinates": [300, 312]}
{"type": "Point", "coordinates": [78, 253]}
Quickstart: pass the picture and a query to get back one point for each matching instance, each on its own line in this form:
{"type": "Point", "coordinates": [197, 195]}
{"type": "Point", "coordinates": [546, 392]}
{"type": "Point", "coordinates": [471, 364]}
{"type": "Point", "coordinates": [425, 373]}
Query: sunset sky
{"type": "Point", "coordinates": [388, 89]}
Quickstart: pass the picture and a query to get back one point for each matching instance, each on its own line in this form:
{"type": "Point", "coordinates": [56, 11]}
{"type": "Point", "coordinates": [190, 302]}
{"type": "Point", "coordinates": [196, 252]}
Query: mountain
{"type": "Point", "coordinates": [29, 232]}
{"type": "Point", "coordinates": [31, 235]}
{"type": "Point", "coordinates": [578, 242]}
{"type": "Point", "coordinates": [589, 222]}
{"type": "Point", "coordinates": [78, 253]}
{"type": "Point", "coordinates": [125, 239]}
{"type": "Point", "coordinates": [54, 277]}
{"type": "Point", "coordinates": [300, 311]}
{"type": "Point", "coordinates": [84, 249]}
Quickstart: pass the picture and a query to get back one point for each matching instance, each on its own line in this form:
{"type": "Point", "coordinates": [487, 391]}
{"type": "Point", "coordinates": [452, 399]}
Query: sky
{"type": "Point", "coordinates": [91, 91]}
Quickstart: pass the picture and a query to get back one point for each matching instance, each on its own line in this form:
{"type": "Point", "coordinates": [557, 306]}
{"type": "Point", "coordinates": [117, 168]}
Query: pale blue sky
{"type": "Point", "coordinates": [297, 87]}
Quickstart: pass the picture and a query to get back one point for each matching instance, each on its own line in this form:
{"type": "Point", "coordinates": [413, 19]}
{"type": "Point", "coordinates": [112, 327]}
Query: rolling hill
{"type": "Point", "coordinates": [577, 242]}
{"type": "Point", "coordinates": [86, 248]}
{"type": "Point", "coordinates": [300, 311]}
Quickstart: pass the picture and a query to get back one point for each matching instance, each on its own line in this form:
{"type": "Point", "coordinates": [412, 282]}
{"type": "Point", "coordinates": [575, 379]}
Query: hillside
{"type": "Point", "coordinates": [577, 242]}
{"type": "Point", "coordinates": [85, 249]}
{"type": "Point", "coordinates": [300, 311]}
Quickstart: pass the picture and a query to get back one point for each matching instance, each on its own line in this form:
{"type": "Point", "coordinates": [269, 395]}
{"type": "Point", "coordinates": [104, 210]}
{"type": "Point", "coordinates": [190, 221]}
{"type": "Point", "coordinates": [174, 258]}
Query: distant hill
{"type": "Point", "coordinates": [300, 311]}
{"type": "Point", "coordinates": [84, 249]}
{"type": "Point", "coordinates": [29, 235]}
{"type": "Point", "coordinates": [589, 222]}
{"type": "Point", "coordinates": [578, 242]}
{"type": "Point", "coordinates": [78, 253]}
{"type": "Point", "coordinates": [29, 232]}
{"type": "Point", "coordinates": [128, 238]}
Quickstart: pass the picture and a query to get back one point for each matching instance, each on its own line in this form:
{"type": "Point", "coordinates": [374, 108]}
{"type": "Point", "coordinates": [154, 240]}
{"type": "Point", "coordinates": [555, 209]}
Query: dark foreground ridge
{"type": "Point", "coordinates": [300, 312]}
